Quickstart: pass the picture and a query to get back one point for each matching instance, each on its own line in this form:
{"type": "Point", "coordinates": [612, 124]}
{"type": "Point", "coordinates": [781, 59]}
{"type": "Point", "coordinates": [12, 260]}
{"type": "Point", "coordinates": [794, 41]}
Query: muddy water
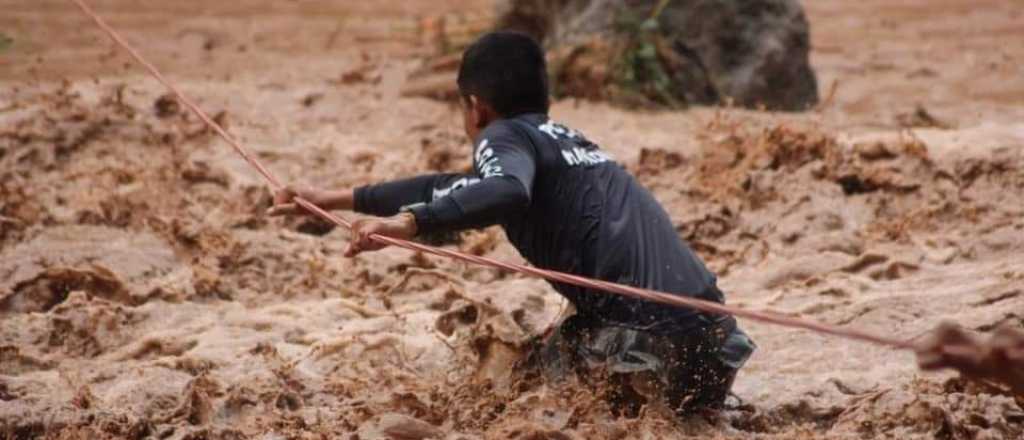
{"type": "Point", "coordinates": [144, 293]}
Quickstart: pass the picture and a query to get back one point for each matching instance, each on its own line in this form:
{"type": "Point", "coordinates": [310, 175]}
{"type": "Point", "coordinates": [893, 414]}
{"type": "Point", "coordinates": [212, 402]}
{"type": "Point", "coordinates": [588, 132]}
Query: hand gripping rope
{"type": "Point", "coordinates": [645, 294]}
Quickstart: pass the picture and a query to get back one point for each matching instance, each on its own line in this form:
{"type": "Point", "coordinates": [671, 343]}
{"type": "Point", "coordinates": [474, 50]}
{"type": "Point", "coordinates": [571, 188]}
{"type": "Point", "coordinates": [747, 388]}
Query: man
{"type": "Point", "coordinates": [567, 206]}
{"type": "Point", "coordinates": [998, 360]}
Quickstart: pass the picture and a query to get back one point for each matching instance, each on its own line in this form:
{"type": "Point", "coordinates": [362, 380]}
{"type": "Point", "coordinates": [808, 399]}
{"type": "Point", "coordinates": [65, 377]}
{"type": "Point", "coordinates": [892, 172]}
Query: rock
{"type": "Point", "coordinates": [400, 427]}
{"type": "Point", "coordinates": [201, 172]}
{"type": "Point", "coordinates": [752, 52]}
{"type": "Point", "coordinates": [167, 105]}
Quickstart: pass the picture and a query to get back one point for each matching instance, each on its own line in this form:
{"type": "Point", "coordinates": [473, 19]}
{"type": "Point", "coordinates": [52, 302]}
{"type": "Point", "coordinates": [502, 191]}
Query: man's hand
{"type": "Point", "coordinates": [400, 226]}
{"type": "Point", "coordinates": [284, 200]}
{"type": "Point", "coordinates": [1000, 359]}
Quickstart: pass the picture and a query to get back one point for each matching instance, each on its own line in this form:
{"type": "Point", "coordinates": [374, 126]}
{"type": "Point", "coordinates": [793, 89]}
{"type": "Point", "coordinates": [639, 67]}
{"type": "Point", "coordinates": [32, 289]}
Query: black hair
{"type": "Point", "coordinates": [507, 70]}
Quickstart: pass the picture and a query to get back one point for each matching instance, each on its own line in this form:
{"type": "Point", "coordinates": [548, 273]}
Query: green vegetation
{"type": "Point", "coordinates": [5, 41]}
{"type": "Point", "coordinates": [639, 71]}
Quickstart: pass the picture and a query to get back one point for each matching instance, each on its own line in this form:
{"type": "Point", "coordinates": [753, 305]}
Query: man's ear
{"type": "Point", "coordinates": [481, 111]}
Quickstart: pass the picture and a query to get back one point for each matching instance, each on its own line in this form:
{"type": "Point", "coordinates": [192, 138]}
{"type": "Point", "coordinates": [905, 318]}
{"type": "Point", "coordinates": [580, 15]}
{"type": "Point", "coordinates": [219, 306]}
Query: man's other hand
{"type": "Point", "coordinates": [284, 200]}
{"type": "Point", "coordinates": [400, 226]}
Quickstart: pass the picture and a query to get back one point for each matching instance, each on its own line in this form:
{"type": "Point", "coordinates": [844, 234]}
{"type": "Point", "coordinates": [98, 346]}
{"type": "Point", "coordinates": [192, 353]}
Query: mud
{"type": "Point", "coordinates": [143, 293]}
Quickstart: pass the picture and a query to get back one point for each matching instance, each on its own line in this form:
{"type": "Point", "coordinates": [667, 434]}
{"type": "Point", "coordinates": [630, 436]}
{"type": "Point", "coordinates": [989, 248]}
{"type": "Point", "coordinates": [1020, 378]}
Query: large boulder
{"type": "Point", "coordinates": [750, 52]}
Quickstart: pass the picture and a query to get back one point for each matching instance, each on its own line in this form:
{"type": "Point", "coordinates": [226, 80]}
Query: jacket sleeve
{"type": "Point", "coordinates": [505, 165]}
{"type": "Point", "coordinates": [386, 199]}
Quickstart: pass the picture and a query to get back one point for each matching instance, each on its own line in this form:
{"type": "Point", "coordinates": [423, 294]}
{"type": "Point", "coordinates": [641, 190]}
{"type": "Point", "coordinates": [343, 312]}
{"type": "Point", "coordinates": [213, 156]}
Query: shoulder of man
{"type": "Point", "coordinates": [510, 132]}
{"type": "Point", "coordinates": [515, 128]}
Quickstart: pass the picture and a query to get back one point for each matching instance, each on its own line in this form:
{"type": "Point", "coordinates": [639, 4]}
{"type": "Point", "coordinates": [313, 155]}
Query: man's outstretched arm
{"type": "Point", "coordinates": [387, 199]}
{"type": "Point", "coordinates": [384, 199]}
{"type": "Point", "coordinates": [505, 171]}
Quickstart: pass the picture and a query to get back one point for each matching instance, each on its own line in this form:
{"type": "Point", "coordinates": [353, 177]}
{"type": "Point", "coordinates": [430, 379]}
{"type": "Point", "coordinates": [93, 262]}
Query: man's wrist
{"type": "Point", "coordinates": [343, 199]}
{"type": "Point", "coordinates": [418, 212]}
{"type": "Point", "coordinates": [340, 199]}
{"type": "Point", "coordinates": [408, 223]}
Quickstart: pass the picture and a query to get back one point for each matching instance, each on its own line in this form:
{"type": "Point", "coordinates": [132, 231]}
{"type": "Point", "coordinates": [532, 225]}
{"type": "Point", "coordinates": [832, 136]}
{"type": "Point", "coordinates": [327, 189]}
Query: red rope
{"type": "Point", "coordinates": [645, 294]}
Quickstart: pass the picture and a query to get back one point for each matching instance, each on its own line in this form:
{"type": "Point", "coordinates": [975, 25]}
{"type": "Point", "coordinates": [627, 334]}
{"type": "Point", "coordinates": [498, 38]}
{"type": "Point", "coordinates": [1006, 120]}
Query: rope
{"type": "Point", "coordinates": [550, 275]}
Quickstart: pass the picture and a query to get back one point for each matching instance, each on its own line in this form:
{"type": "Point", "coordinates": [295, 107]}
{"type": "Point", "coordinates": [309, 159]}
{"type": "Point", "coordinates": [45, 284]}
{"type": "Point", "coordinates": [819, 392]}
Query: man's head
{"type": "Point", "coordinates": [503, 74]}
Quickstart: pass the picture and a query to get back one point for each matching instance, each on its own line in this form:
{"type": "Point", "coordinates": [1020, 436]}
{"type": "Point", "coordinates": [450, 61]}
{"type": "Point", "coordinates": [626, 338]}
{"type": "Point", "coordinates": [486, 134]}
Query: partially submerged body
{"type": "Point", "coordinates": [566, 206]}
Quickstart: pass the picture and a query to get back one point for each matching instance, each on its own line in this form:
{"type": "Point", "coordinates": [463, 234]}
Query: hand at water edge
{"type": "Point", "coordinates": [1000, 359]}
{"type": "Point", "coordinates": [401, 226]}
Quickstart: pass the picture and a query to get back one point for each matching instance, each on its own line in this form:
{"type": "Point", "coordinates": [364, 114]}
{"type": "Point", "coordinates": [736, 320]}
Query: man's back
{"type": "Point", "coordinates": [587, 215]}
